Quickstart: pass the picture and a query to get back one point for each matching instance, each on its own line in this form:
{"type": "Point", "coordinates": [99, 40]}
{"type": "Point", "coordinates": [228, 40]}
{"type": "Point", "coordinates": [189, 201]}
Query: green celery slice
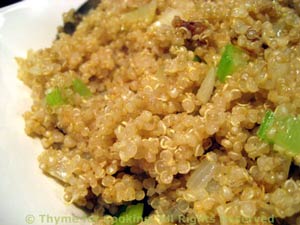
{"type": "Point", "coordinates": [133, 215]}
{"type": "Point", "coordinates": [287, 134]}
{"type": "Point", "coordinates": [54, 98]}
{"type": "Point", "coordinates": [232, 59]}
{"type": "Point", "coordinates": [81, 88]}
{"type": "Point", "coordinates": [282, 131]}
{"type": "Point", "coordinates": [266, 125]}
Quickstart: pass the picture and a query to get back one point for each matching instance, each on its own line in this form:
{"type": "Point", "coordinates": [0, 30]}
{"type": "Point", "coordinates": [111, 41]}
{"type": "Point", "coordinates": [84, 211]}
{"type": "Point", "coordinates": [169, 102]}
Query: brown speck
{"type": "Point", "coordinates": [194, 27]}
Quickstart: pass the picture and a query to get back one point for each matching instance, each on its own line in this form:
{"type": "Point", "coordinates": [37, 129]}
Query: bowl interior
{"type": "Point", "coordinates": [27, 195]}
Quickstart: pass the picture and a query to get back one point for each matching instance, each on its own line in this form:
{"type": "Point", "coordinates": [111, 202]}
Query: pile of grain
{"type": "Point", "coordinates": [146, 128]}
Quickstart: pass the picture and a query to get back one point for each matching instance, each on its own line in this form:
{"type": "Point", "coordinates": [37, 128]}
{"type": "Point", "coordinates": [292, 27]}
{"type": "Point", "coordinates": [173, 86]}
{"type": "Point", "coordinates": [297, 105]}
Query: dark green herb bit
{"type": "Point", "coordinates": [232, 59]}
{"type": "Point", "coordinates": [196, 59]}
{"type": "Point", "coordinates": [54, 98]}
{"type": "Point", "coordinates": [81, 88]}
{"type": "Point", "coordinates": [133, 215]}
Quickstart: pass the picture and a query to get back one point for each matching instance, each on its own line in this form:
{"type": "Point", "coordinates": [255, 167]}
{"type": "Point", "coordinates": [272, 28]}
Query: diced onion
{"type": "Point", "coordinates": [202, 175]}
{"type": "Point", "coordinates": [145, 13]}
{"type": "Point", "coordinates": [206, 89]}
{"type": "Point", "coordinates": [167, 17]}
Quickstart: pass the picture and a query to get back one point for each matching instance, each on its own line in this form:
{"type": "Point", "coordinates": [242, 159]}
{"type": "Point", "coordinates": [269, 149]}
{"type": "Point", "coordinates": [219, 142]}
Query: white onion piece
{"type": "Point", "coordinates": [60, 173]}
{"type": "Point", "coordinates": [222, 215]}
{"type": "Point", "coordinates": [207, 87]}
{"type": "Point", "coordinates": [145, 13]}
{"type": "Point", "coordinates": [167, 17]}
{"type": "Point", "coordinates": [202, 175]}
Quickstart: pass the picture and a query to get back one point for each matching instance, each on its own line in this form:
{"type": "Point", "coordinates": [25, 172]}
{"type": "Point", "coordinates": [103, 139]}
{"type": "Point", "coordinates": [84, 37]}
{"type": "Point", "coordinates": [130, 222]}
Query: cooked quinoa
{"type": "Point", "coordinates": [155, 124]}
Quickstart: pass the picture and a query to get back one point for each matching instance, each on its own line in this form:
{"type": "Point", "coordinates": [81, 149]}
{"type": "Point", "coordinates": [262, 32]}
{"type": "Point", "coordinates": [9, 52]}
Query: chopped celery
{"type": "Point", "coordinates": [133, 215]}
{"type": "Point", "coordinates": [265, 125]}
{"type": "Point", "coordinates": [81, 88]}
{"type": "Point", "coordinates": [287, 134]}
{"type": "Point", "coordinates": [54, 98]}
{"type": "Point", "coordinates": [232, 59]}
{"type": "Point", "coordinates": [283, 131]}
